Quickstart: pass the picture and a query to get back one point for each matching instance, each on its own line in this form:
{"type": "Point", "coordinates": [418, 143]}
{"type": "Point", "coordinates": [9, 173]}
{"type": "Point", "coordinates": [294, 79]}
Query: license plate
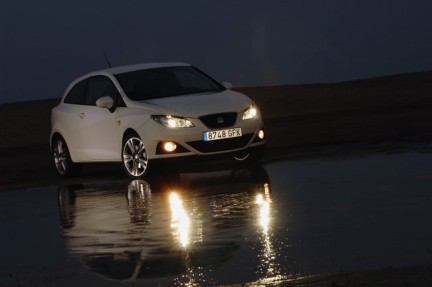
{"type": "Point", "coordinates": [222, 134]}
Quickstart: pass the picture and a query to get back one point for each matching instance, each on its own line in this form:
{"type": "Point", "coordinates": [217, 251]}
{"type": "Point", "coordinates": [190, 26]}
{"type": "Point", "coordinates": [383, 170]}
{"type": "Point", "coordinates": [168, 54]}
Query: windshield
{"type": "Point", "coordinates": [166, 82]}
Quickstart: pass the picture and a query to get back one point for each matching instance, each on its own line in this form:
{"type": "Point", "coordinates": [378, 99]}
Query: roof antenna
{"type": "Point", "coordinates": [106, 58]}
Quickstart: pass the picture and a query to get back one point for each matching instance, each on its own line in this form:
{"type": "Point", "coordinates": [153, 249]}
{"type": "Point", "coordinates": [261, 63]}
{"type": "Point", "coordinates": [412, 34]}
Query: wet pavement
{"type": "Point", "coordinates": [261, 225]}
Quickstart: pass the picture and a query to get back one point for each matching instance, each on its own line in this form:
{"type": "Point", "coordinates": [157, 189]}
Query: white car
{"type": "Point", "coordinates": [141, 113]}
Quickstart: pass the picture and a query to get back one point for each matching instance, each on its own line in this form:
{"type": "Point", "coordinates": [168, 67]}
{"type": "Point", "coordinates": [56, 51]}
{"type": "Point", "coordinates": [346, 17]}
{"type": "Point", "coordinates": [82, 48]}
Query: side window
{"type": "Point", "coordinates": [98, 87]}
{"type": "Point", "coordinates": [77, 94]}
{"type": "Point", "coordinates": [119, 101]}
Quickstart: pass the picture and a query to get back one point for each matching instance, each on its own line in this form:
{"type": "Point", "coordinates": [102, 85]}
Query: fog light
{"type": "Point", "coordinates": [169, 146]}
{"type": "Point", "coordinates": [261, 134]}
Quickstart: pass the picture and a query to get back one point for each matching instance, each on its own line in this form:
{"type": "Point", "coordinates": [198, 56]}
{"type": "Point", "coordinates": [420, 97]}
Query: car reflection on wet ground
{"type": "Point", "coordinates": [262, 225]}
{"type": "Point", "coordinates": [166, 226]}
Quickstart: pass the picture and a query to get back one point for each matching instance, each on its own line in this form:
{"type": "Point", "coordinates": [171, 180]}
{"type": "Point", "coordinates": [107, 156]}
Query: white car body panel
{"type": "Point", "coordinates": [195, 105]}
{"type": "Point", "coordinates": [99, 134]}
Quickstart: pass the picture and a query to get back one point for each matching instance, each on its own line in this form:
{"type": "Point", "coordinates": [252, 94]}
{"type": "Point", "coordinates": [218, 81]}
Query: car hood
{"type": "Point", "coordinates": [196, 105]}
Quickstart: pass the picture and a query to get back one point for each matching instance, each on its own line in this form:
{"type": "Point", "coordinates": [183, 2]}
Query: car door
{"type": "Point", "coordinates": [98, 127]}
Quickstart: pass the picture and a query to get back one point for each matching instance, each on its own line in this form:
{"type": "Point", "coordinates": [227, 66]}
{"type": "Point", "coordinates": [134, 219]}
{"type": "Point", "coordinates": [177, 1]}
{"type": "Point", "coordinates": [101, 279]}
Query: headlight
{"type": "Point", "coordinates": [173, 122]}
{"type": "Point", "coordinates": [250, 113]}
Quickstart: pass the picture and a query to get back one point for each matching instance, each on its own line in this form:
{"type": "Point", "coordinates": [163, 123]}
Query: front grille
{"type": "Point", "coordinates": [221, 145]}
{"type": "Point", "coordinates": [222, 120]}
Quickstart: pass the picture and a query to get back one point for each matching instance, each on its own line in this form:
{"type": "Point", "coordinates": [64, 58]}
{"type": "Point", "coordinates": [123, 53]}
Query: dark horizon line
{"type": "Point", "coordinates": [377, 78]}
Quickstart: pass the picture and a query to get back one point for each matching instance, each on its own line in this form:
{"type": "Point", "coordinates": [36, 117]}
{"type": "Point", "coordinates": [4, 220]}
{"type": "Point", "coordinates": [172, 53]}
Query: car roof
{"type": "Point", "coordinates": [137, 67]}
{"type": "Point", "coordinates": [123, 69]}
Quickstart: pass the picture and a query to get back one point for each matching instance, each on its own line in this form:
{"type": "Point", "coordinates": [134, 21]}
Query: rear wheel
{"type": "Point", "coordinates": [134, 157]}
{"type": "Point", "coordinates": [64, 165]}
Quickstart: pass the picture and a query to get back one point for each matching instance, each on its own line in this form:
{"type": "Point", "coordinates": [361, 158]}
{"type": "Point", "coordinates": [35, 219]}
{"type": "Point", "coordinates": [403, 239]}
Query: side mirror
{"type": "Point", "coordinates": [105, 102]}
{"type": "Point", "coordinates": [227, 85]}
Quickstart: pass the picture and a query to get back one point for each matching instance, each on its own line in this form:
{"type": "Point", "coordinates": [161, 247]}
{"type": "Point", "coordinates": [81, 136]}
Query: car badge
{"type": "Point", "coordinates": [220, 120]}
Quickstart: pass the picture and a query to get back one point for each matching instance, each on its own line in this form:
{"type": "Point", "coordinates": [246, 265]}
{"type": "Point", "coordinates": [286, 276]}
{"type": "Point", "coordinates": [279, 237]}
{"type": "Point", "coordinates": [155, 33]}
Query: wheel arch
{"type": "Point", "coordinates": [64, 162]}
{"type": "Point", "coordinates": [54, 136]}
{"type": "Point", "coordinates": [129, 131]}
{"type": "Point", "coordinates": [57, 135]}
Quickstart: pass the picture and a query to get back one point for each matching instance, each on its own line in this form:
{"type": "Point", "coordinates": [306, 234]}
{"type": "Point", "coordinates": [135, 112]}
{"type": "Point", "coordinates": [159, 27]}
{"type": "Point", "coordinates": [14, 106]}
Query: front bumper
{"type": "Point", "coordinates": [190, 141]}
{"type": "Point", "coordinates": [188, 160]}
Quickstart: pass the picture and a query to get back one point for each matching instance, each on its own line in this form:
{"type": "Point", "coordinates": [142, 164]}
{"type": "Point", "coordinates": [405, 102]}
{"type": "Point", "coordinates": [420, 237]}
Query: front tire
{"type": "Point", "coordinates": [134, 157]}
{"type": "Point", "coordinates": [64, 165]}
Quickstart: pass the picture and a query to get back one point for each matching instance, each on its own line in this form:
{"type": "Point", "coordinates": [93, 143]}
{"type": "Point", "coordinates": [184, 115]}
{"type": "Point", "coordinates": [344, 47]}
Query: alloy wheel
{"type": "Point", "coordinates": [135, 158]}
{"type": "Point", "coordinates": [60, 153]}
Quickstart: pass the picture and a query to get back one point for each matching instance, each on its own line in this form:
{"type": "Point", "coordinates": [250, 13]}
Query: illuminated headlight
{"type": "Point", "coordinates": [250, 113]}
{"type": "Point", "coordinates": [173, 122]}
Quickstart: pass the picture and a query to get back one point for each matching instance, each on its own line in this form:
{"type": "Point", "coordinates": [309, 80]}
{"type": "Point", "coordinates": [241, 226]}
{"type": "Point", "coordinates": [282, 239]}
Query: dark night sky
{"type": "Point", "coordinates": [44, 45]}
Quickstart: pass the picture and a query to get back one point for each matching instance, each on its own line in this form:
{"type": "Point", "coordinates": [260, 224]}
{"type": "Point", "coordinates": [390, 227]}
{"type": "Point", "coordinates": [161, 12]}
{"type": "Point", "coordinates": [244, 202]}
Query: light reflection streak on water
{"type": "Point", "coordinates": [180, 222]}
{"type": "Point", "coordinates": [268, 265]}
{"type": "Point", "coordinates": [194, 276]}
{"type": "Point", "coordinates": [264, 213]}
{"type": "Point", "coordinates": [181, 225]}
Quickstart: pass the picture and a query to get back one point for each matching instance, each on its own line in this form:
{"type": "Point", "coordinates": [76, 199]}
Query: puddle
{"type": "Point", "coordinates": [166, 227]}
{"type": "Point", "coordinates": [262, 225]}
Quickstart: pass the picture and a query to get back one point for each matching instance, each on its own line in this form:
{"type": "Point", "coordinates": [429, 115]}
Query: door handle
{"type": "Point", "coordinates": [82, 115]}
